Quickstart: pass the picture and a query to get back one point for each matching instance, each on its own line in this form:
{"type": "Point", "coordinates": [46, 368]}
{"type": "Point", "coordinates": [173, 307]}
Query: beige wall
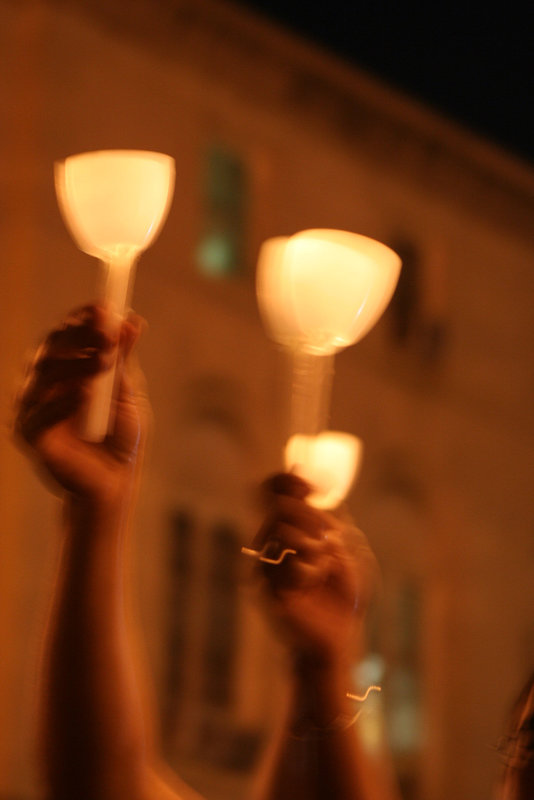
{"type": "Point", "coordinates": [445, 490]}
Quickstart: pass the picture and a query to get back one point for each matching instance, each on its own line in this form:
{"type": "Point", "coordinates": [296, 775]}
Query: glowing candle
{"type": "Point", "coordinates": [114, 202]}
{"type": "Point", "coordinates": [320, 291]}
{"type": "Point", "coordinates": [329, 462]}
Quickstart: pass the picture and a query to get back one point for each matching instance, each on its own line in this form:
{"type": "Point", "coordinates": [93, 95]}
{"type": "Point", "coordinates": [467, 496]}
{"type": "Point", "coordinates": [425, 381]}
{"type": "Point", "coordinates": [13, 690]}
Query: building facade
{"type": "Point", "coordinates": [271, 136]}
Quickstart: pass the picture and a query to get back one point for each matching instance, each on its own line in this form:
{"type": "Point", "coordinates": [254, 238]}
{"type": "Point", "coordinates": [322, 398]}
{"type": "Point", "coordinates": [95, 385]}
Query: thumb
{"type": "Point", "coordinates": [131, 331]}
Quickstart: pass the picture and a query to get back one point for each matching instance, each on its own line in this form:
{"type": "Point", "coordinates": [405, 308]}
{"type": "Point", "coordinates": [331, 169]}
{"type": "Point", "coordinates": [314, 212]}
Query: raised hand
{"type": "Point", "coordinates": [53, 398]}
{"type": "Point", "coordinates": [318, 594]}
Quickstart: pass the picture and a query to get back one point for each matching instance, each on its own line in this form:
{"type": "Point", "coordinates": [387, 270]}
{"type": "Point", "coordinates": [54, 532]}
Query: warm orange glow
{"type": "Point", "coordinates": [114, 203]}
{"type": "Point", "coordinates": [322, 290]}
{"type": "Point", "coordinates": [328, 461]}
{"type": "Point", "coordinates": [318, 292]}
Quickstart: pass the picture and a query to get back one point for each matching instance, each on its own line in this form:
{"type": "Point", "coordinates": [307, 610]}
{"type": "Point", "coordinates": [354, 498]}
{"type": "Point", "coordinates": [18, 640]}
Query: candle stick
{"type": "Point", "coordinates": [114, 202]}
{"type": "Point", "coordinates": [320, 291]}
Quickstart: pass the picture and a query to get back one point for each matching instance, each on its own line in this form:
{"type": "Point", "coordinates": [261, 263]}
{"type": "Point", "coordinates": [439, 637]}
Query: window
{"type": "Point", "coordinates": [220, 249]}
{"type": "Point", "coordinates": [418, 308]}
{"type": "Point", "coordinates": [406, 302]}
{"type": "Point", "coordinates": [222, 617]}
{"type": "Point", "coordinates": [178, 595]}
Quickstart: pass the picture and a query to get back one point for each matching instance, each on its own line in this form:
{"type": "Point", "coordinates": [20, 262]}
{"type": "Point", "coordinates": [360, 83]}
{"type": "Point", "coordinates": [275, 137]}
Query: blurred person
{"type": "Point", "coordinates": [517, 748]}
{"type": "Point", "coordinates": [96, 730]}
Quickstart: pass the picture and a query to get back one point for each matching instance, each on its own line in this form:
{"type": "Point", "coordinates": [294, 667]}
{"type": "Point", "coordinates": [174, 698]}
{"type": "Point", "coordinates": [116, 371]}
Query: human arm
{"type": "Point", "coordinates": [94, 721]}
{"type": "Point", "coordinates": [317, 600]}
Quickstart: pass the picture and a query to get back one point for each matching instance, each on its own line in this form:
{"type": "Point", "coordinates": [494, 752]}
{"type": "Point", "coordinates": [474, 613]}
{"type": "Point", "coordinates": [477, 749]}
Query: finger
{"type": "Point", "coordinates": [69, 352]}
{"type": "Point", "coordinates": [31, 425]}
{"type": "Point", "coordinates": [284, 483]}
{"type": "Point", "coordinates": [340, 570]}
{"type": "Point", "coordinates": [81, 347]}
{"type": "Point", "coordinates": [131, 331]}
{"type": "Point", "coordinates": [132, 404]}
{"type": "Point", "coordinates": [295, 575]}
{"type": "Point", "coordinates": [132, 384]}
{"type": "Point", "coordinates": [294, 512]}
{"type": "Point", "coordinates": [93, 315]}
{"type": "Point", "coordinates": [287, 537]}
{"type": "Point", "coordinates": [354, 568]}
{"type": "Point", "coordinates": [51, 374]}
{"type": "Point", "coordinates": [87, 327]}
{"type": "Point", "coordinates": [76, 337]}
{"type": "Point", "coordinates": [299, 513]}
{"type": "Point", "coordinates": [51, 369]}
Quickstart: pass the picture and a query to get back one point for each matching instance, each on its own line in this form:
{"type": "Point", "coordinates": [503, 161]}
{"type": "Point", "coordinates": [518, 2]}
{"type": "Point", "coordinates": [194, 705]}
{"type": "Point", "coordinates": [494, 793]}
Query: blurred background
{"type": "Point", "coordinates": [273, 134]}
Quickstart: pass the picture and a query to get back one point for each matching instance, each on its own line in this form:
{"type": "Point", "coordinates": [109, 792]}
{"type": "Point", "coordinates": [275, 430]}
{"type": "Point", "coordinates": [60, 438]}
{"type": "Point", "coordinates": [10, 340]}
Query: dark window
{"type": "Point", "coordinates": [178, 595]}
{"type": "Point", "coordinates": [406, 302]}
{"type": "Point", "coordinates": [418, 308]}
{"type": "Point", "coordinates": [222, 617]}
{"type": "Point", "coordinates": [220, 251]}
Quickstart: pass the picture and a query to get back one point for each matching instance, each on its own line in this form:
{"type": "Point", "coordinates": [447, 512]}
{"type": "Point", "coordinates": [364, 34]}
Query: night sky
{"type": "Point", "coordinates": [473, 62]}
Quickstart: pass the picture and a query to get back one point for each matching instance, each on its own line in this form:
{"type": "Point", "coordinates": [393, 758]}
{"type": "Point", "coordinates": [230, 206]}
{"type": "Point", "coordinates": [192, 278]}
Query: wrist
{"type": "Point", "coordinates": [320, 700]}
{"type": "Point", "coordinates": [331, 678]}
{"type": "Point", "coordinates": [106, 485]}
{"type": "Point", "coordinates": [100, 509]}
{"type": "Point", "coordinates": [321, 664]}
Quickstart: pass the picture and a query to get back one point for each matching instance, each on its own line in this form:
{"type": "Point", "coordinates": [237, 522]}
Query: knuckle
{"type": "Point", "coordinates": [44, 363]}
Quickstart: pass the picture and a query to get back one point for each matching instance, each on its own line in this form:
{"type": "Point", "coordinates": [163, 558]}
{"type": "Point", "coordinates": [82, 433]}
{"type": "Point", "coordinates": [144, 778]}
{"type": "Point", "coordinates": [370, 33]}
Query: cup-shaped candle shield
{"type": "Point", "coordinates": [322, 290]}
{"type": "Point", "coordinates": [115, 201]}
{"type": "Point", "coordinates": [272, 289]}
{"type": "Point", "coordinates": [329, 462]}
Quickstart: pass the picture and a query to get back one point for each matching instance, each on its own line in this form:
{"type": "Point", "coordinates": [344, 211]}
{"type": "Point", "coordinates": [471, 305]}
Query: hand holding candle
{"type": "Point", "coordinates": [114, 202]}
{"type": "Point", "coordinates": [320, 291]}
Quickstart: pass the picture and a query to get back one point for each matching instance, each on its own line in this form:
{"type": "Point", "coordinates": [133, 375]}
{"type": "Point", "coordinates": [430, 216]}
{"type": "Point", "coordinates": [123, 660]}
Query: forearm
{"type": "Point", "coordinates": [313, 753]}
{"type": "Point", "coordinates": [91, 724]}
{"type": "Point", "coordinates": [318, 753]}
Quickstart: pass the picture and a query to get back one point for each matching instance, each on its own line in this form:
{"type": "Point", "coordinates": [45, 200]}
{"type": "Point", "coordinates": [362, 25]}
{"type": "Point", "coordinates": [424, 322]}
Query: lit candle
{"type": "Point", "coordinates": [320, 291]}
{"type": "Point", "coordinates": [114, 202]}
{"type": "Point", "coordinates": [329, 462]}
